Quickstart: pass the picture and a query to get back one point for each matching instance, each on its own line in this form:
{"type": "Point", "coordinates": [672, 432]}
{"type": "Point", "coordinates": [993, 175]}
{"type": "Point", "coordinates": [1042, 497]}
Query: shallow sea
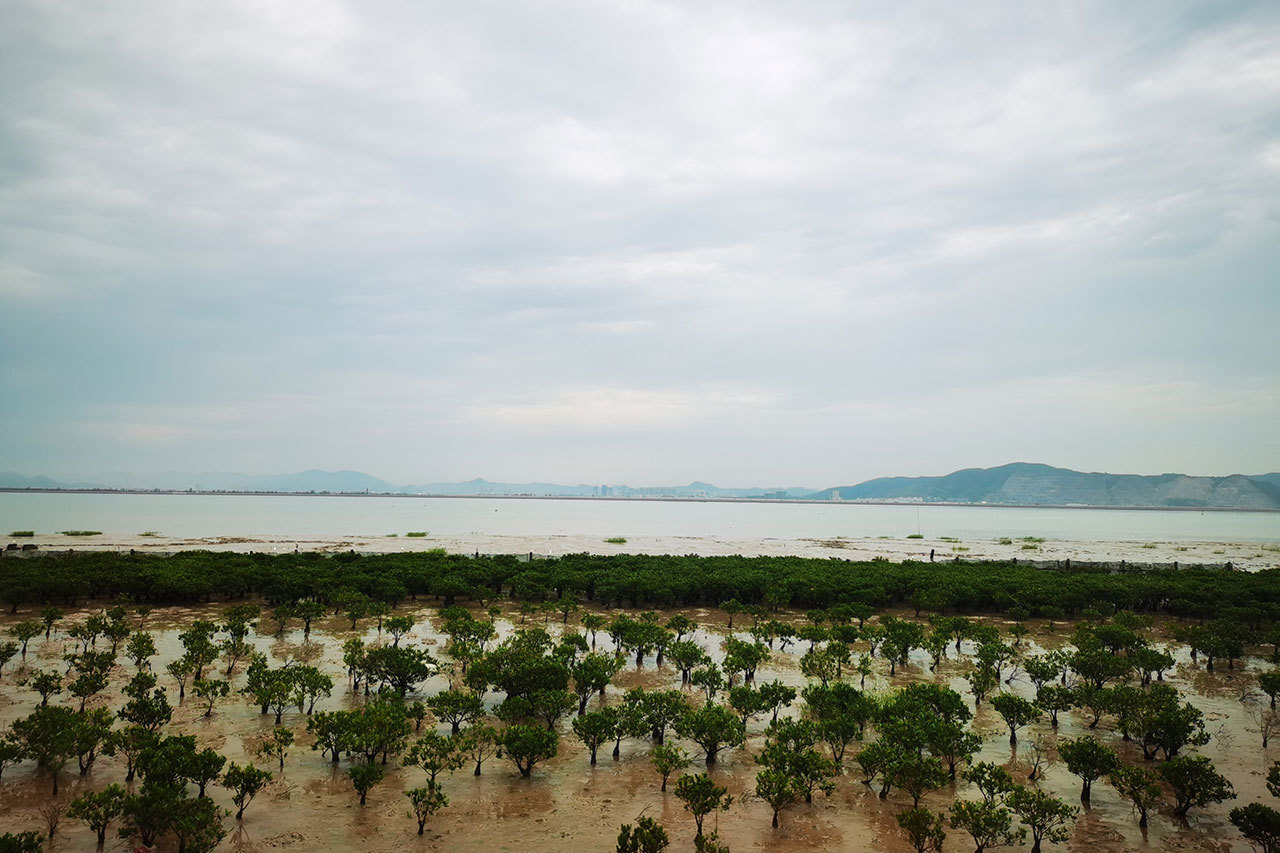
{"type": "Point", "coordinates": [272, 515]}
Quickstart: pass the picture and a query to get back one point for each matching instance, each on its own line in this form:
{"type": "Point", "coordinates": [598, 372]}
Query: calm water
{"type": "Point", "coordinates": [237, 515]}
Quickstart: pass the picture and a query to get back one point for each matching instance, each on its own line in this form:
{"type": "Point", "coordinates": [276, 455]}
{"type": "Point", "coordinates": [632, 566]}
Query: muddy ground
{"type": "Point", "coordinates": [1249, 556]}
{"type": "Point", "coordinates": [568, 805]}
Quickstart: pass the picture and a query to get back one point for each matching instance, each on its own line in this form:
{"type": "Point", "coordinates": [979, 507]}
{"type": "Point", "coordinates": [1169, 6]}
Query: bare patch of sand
{"type": "Point", "coordinates": [1249, 556]}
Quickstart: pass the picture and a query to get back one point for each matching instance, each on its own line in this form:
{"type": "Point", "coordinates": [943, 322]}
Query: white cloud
{"type": "Point", "coordinates": [719, 240]}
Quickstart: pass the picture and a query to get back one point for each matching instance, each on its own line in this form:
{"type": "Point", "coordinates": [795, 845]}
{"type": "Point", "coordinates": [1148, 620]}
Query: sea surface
{"type": "Point", "coordinates": [327, 516]}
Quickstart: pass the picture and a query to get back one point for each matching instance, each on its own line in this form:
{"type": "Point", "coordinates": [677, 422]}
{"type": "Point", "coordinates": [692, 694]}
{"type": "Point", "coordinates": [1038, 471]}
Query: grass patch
{"type": "Point", "coordinates": [915, 535]}
{"type": "Point", "coordinates": [1035, 539]}
{"type": "Point", "coordinates": [948, 539]}
{"type": "Point", "coordinates": [149, 533]}
{"type": "Point", "coordinates": [617, 540]}
{"type": "Point", "coordinates": [80, 532]}
{"type": "Point", "coordinates": [392, 535]}
{"type": "Point", "coordinates": [26, 533]}
{"type": "Point", "coordinates": [1150, 545]}
{"type": "Point", "coordinates": [1031, 546]}
{"type": "Point", "coordinates": [1005, 540]}
{"type": "Point", "coordinates": [1182, 549]}
{"type": "Point", "coordinates": [416, 534]}
{"type": "Point", "coordinates": [960, 549]}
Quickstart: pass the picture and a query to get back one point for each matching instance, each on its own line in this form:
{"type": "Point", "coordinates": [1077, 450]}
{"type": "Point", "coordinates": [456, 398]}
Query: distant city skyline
{"type": "Point", "coordinates": [745, 243]}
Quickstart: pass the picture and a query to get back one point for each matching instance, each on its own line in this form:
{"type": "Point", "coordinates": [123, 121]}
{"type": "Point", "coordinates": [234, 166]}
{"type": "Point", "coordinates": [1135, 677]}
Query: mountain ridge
{"type": "Point", "coordinates": [1028, 483]}
{"type": "Point", "coordinates": [349, 482]}
{"type": "Point", "coordinates": [1016, 483]}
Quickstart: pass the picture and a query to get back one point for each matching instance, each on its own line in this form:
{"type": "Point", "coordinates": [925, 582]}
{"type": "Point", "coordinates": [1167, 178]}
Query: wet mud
{"type": "Point", "coordinates": [569, 805]}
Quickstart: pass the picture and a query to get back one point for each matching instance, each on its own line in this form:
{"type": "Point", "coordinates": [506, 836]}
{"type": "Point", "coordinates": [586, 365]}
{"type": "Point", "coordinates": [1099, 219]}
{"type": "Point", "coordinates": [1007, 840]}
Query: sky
{"type": "Point", "coordinates": [750, 243]}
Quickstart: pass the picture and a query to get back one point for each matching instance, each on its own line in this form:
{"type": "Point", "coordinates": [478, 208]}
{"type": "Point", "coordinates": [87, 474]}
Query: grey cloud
{"type": "Point", "coordinates": [601, 241]}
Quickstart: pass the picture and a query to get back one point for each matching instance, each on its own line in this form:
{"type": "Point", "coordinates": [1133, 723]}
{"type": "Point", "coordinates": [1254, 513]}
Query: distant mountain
{"type": "Point", "coordinates": [480, 486]}
{"type": "Point", "coordinates": [1269, 483]}
{"type": "Point", "coordinates": [212, 481]}
{"type": "Point", "coordinates": [13, 480]}
{"type": "Point", "coordinates": [1020, 483]}
{"type": "Point", "coordinates": [693, 490]}
{"type": "Point", "coordinates": [1029, 483]}
{"type": "Point", "coordinates": [356, 482]}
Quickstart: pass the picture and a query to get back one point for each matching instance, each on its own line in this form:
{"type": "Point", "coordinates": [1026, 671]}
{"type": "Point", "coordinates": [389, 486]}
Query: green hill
{"type": "Point", "coordinates": [1031, 483]}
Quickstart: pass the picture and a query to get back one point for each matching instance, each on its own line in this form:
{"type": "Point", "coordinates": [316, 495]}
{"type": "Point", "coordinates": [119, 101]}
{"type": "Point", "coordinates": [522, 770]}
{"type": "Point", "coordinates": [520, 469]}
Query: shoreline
{"type": "Point", "coordinates": [1246, 556]}
{"type": "Point", "coordinates": [638, 499]}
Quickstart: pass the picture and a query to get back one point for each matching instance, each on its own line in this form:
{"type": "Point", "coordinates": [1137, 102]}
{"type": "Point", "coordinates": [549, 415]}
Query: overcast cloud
{"type": "Point", "coordinates": [751, 243]}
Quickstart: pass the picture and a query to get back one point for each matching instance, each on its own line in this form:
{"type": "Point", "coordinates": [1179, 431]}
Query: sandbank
{"type": "Point", "coordinates": [1249, 556]}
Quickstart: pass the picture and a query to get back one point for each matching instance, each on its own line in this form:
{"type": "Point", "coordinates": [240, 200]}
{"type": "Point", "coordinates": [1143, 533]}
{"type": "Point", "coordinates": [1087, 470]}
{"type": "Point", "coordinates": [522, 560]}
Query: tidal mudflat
{"type": "Point", "coordinates": [567, 802]}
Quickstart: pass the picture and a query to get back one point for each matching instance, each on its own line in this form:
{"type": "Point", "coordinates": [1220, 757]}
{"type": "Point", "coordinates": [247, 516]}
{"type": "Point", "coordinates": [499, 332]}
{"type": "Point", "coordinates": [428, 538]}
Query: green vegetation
{"type": "Point", "coordinates": [426, 802]}
{"type": "Point", "coordinates": [23, 533]}
{"type": "Point", "coordinates": [1039, 540]}
{"type": "Point", "coordinates": [911, 738]}
{"type": "Point", "coordinates": [149, 533]}
{"type": "Point", "coordinates": [304, 582]}
{"type": "Point", "coordinates": [244, 783]}
{"type": "Point", "coordinates": [617, 540]}
{"type": "Point", "coordinates": [915, 535]}
{"type": "Point", "coordinates": [80, 532]}
{"type": "Point", "coordinates": [416, 534]}
{"type": "Point", "coordinates": [701, 796]}
{"type": "Point", "coordinates": [1005, 540]}
{"type": "Point", "coordinates": [1031, 546]}
{"type": "Point", "coordinates": [647, 836]}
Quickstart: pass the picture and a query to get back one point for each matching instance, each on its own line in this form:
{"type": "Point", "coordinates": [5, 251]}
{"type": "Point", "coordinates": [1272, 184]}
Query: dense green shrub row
{"type": "Point", "coordinates": [638, 581]}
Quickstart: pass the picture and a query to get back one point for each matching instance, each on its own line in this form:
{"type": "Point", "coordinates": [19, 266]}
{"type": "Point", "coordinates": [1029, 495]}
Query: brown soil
{"type": "Point", "coordinates": [568, 805]}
